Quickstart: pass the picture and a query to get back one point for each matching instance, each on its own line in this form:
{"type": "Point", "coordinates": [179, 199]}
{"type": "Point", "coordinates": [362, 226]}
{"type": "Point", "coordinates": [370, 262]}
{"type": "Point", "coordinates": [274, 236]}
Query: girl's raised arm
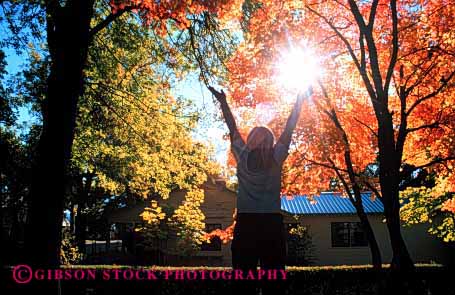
{"type": "Point", "coordinates": [227, 114]}
{"type": "Point", "coordinates": [285, 137]}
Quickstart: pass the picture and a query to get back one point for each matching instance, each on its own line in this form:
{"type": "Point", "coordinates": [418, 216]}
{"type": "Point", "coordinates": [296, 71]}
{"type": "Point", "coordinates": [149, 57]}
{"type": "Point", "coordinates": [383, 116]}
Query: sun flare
{"type": "Point", "coordinates": [297, 70]}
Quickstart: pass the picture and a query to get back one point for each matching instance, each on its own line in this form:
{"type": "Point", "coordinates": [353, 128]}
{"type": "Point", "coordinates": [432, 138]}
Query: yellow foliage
{"type": "Point", "coordinates": [430, 205]}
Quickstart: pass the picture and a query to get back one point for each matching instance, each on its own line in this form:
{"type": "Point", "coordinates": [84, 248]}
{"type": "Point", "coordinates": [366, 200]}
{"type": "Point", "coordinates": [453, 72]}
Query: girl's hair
{"type": "Point", "coordinates": [260, 143]}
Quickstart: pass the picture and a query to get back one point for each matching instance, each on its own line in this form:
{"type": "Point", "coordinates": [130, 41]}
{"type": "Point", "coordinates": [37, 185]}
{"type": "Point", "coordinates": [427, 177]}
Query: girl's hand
{"type": "Point", "coordinates": [220, 96]}
{"type": "Point", "coordinates": [305, 94]}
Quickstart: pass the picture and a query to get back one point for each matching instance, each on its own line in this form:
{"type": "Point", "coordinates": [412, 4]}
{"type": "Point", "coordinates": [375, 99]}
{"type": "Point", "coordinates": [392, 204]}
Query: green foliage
{"type": "Point", "coordinates": [6, 113]}
{"type": "Point", "coordinates": [22, 23]}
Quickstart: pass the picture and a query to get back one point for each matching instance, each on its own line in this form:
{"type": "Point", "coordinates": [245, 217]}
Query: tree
{"type": "Point", "coordinates": [321, 132]}
{"type": "Point", "coordinates": [6, 113]}
{"type": "Point", "coordinates": [14, 177]}
{"type": "Point", "coordinates": [17, 155]}
{"type": "Point", "coordinates": [69, 33]}
{"type": "Point", "coordinates": [133, 137]}
{"type": "Point", "coordinates": [300, 246]}
{"type": "Point", "coordinates": [385, 96]}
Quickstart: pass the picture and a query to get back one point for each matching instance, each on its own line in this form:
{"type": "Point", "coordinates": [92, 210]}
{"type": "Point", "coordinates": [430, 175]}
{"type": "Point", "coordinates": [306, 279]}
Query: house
{"type": "Point", "coordinates": [218, 208]}
{"type": "Point", "coordinates": [333, 230]}
{"type": "Point", "coordinates": [338, 239]}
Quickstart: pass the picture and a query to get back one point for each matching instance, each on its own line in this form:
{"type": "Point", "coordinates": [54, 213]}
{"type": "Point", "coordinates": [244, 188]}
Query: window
{"type": "Point", "coordinates": [348, 234]}
{"type": "Point", "coordinates": [215, 242]}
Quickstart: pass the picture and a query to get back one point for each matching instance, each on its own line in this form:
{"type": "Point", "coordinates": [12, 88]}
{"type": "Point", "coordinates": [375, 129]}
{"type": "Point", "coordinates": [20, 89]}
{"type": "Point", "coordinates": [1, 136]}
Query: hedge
{"type": "Point", "coordinates": [428, 279]}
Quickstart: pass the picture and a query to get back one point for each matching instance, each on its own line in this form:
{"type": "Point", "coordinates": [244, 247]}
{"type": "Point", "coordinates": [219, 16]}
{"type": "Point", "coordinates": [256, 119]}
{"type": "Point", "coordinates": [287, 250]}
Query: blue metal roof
{"type": "Point", "coordinates": [329, 203]}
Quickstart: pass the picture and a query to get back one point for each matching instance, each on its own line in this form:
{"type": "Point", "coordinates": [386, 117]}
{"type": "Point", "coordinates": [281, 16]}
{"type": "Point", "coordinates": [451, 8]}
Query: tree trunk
{"type": "Point", "coordinates": [68, 39]}
{"type": "Point", "coordinates": [401, 260]}
{"type": "Point", "coordinates": [372, 243]}
{"type": "Point", "coordinates": [389, 178]}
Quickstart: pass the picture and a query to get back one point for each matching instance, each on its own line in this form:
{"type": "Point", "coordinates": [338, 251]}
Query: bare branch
{"type": "Point", "coordinates": [347, 152]}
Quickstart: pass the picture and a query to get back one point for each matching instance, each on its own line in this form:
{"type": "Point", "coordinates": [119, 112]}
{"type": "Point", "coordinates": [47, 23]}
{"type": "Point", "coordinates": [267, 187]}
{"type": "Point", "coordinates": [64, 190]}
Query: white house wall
{"type": "Point", "coordinates": [422, 247]}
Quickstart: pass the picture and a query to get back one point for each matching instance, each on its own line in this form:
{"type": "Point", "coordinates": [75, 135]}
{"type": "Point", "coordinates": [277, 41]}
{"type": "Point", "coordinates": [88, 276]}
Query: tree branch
{"type": "Point", "coordinates": [197, 56]}
{"type": "Point", "coordinates": [420, 78]}
{"type": "Point", "coordinates": [105, 22]}
{"type": "Point", "coordinates": [393, 58]}
{"type": "Point", "coordinates": [345, 185]}
{"type": "Point", "coordinates": [373, 189]}
{"type": "Point", "coordinates": [358, 15]}
{"type": "Point", "coordinates": [368, 127]}
{"type": "Point", "coordinates": [347, 154]}
{"type": "Point", "coordinates": [434, 162]}
{"type": "Point", "coordinates": [432, 94]}
{"type": "Point", "coordinates": [362, 70]}
{"type": "Point", "coordinates": [373, 55]}
{"type": "Point", "coordinates": [371, 19]}
{"type": "Point", "coordinates": [332, 166]}
{"type": "Point", "coordinates": [430, 126]}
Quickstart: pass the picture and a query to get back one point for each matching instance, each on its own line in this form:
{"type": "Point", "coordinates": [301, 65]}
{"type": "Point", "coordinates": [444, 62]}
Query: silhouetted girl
{"type": "Point", "coordinates": [259, 234]}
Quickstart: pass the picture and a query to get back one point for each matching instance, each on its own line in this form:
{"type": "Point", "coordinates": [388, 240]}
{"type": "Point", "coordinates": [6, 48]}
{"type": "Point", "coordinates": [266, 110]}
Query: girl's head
{"type": "Point", "coordinates": [260, 138]}
{"type": "Point", "coordinates": [260, 144]}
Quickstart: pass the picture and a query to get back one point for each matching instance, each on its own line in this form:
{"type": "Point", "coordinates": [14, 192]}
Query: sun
{"type": "Point", "coordinates": [297, 70]}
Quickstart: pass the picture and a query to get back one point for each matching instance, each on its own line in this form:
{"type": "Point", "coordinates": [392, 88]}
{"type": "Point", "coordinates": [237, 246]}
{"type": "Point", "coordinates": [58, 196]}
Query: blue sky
{"type": "Point", "coordinates": [209, 130]}
{"type": "Point", "coordinates": [15, 63]}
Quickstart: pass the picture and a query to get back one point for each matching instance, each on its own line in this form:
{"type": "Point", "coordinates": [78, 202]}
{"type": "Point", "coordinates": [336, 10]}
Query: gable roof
{"type": "Point", "coordinates": [329, 203]}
